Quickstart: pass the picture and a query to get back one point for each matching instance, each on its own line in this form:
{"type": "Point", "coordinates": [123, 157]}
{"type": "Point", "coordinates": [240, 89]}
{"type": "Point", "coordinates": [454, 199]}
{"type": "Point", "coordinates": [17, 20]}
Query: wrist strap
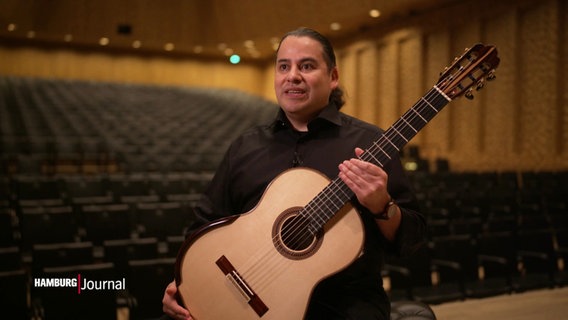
{"type": "Point", "coordinates": [383, 215]}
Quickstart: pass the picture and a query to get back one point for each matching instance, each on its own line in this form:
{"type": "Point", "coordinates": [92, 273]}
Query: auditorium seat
{"type": "Point", "coordinates": [131, 188]}
{"type": "Point", "coordinates": [48, 225]}
{"type": "Point", "coordinates": [561, 250]}
{"type": "Point", "coordinates": [399, 281]}
{"type": "Point", "coordinates": [32, 190]}
{"type": "Point", "coordinates": [501, 223]}
{"type": "Point", "coordinates": [147, 280]}
{"type": "Point", "coordinates": [470, 226]}
{"type": "Point", "coordinates": [537, 258]}
{"type": "Point", "coordinates": [462, 248]}
{"type": "Point", "coordinates": [162, 219]}
{"type": "Point", "coordinates": [9, 227]}
{"type": "Point", "coordinates": [178, 186]}
{"type": "Point", "coordinates": [498, 256]}
{"type": "Point", "coordinates": [10, 258]}
{"type": "Point", "coordinates": [81, 189]}
{"type": "Point", "coordinates": [107, 221]}
{"type": "Point", "coordinates": [120, 251]}
{"type": "Point", "coordinates": [439, 227]}
{"type": "Point", "coordinates": [421, 266]}
{"type": "Point", "coordinates": [14, 285]}
{"type": "Point", "coordinates": [61, 254]}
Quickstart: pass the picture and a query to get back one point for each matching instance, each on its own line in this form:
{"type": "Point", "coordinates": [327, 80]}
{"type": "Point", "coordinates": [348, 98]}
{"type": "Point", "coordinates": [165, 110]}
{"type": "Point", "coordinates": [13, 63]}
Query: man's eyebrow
{"type": "Point", "coordinates": [307, 59]}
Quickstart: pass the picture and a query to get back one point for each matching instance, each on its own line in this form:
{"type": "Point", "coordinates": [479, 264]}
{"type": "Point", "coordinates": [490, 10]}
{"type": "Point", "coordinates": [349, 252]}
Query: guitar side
{"type": "Point", "coordinates": [281, 279]}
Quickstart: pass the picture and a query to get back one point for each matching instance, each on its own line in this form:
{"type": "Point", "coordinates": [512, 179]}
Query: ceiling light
{"type": "Point", "coordinates": [235, 59]}
{"type": "Point", "coordinates": [31, 34]}
{"type": "Point", "coordinates": [374, 13]}
{"type": "Point", "coordinates": [136, 44]}
{"type": "Point", "coordinates": [68, 37]}
{"type": "Point", "coordinates": [249, 44]}
{"type": "Point", "coordinates": [335, 26]}
{"type": "Point", "coordinates": [228, 51]}
{"type": "Point", "coordinates": [169, 46]}
{"type": "Point", "coordinates": [12, 27]}
{"type": "Point", "coordinates": [104, 41]}
{"type": "Point", "coordinates": [198, 49]}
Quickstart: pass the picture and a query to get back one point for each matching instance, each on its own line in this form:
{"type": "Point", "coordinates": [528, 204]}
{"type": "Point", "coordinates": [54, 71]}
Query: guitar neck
{"type": "Point", "coordinates": [334, 196]}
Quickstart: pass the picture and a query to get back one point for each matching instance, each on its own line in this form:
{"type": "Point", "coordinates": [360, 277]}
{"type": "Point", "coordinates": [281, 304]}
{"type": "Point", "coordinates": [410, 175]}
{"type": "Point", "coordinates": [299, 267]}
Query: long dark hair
{"type": "Point", "coordinates": [336, 95]}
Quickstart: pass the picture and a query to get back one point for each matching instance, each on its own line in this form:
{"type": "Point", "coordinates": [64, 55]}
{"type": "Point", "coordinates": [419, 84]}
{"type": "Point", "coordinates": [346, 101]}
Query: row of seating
{"type": "Point", "coordinates": [490, 233]}
{"type": "Point", "coordinates": [57, 126]}
{"type": "Point", "coordinates": [459, 267]}
{"type": "Point", "coordinates": [28, 190]}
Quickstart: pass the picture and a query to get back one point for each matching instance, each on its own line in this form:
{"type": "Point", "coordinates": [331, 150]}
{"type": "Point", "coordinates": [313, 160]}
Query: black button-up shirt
{"type": "Point", "coordinates": [255, 158]}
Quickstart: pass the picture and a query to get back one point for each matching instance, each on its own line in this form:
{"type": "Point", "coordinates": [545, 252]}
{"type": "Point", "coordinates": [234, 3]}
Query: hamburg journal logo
{"type": "Point", "coordinates": [81, 284]}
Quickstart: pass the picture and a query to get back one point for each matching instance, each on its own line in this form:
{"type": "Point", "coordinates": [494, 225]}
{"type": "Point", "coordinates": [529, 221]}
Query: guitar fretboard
{"type": "Point", "coordinates": [334, 196]}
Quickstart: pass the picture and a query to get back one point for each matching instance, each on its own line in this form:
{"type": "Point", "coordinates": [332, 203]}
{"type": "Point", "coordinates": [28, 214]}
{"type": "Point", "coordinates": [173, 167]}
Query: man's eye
{"type": "Point", "coordinates": [307, 67]}
{"type": "Point", "coordinates": [282, 67]}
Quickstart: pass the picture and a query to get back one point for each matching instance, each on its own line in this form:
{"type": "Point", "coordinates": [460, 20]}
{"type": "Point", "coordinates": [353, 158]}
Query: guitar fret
{"type": "Point", "coordinates": [372, 156]}
{"type": "Point", "coordinates": [400, 134]}
{"type": "Point", "coordinates": [386, 153]}
{"type": "Point", "coordinates": [425, 121]}
{"type": "Point", "coordinates": [389, 141]}
{"type": "Point", "coordinates": [411, 127]}
{"type": "Point", "coordinates": [428, 103]}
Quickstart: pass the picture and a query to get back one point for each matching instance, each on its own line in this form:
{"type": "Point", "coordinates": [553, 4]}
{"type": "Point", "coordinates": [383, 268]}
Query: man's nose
{"type": "Point", "coordinates": [294, 75]}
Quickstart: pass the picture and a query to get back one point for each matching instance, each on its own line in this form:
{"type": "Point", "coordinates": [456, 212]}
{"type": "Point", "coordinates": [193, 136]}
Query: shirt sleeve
{"type": "Point", "coordinates": [214, 203]}
{"type": "Point", "coordinates": [412, 231]}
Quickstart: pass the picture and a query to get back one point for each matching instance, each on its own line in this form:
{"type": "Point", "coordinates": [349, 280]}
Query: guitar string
{"type": "Point", "coordinates": [313, 205]}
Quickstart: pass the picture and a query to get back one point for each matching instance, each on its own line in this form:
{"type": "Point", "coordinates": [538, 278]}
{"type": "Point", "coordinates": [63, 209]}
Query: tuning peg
{"type": "Point", "coordinates": [469, 94]}
{"type": "Point", "coordinates": [491, 76]}
{"type": "Point", "coordinates": [480, 84]}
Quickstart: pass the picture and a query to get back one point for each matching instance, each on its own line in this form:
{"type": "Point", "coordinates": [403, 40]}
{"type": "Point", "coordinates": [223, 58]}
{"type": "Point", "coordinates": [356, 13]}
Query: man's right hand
{"type": "Point", "coordinates": [170, 305]}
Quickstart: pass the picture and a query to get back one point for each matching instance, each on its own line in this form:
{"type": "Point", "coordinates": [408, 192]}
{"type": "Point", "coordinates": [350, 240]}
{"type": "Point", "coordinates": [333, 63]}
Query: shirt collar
{"type": "Point", "coordinates": [328, 114]}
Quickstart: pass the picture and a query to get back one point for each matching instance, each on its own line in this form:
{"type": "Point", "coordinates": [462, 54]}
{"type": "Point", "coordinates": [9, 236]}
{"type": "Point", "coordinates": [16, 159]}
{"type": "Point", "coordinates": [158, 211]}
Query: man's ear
{"type": "Point", "coordinates": [334, 77]}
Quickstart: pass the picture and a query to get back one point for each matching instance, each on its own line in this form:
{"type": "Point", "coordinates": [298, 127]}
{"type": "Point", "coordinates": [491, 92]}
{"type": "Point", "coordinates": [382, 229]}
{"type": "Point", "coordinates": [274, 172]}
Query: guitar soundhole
{"type": "Point", "coordinates": [293, 237]}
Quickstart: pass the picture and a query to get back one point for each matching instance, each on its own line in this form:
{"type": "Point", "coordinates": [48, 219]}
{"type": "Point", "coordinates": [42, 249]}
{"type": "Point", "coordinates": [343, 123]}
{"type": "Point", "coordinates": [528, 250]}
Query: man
{"type": "Point", "coordinates": [310, 131]}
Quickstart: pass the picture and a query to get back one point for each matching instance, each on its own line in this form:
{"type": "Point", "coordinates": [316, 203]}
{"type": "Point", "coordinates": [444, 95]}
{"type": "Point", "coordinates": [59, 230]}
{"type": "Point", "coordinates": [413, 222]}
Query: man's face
{"type": "Point", "coordinates": [302, 80]}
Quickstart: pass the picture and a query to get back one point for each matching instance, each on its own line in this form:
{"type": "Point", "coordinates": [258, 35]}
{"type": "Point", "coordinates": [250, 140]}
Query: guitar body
{"type": "Point", "coordinates": [281, 270]}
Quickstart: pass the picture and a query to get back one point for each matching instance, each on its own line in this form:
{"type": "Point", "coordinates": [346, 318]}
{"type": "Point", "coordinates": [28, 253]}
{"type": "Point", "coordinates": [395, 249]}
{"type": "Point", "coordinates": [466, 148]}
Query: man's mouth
{"type": "Point", "coordinates": [295, 92]}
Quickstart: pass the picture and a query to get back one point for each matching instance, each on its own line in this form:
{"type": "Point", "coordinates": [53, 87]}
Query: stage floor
{"type": "Point", "coordinates": [548, 304]}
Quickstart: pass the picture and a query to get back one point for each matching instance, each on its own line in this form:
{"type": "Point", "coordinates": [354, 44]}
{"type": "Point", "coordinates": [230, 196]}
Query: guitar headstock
{"type": "Point", "coordinates": [470, 70]}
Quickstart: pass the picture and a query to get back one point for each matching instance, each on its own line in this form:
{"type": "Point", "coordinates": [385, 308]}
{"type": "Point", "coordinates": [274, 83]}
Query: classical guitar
{"type": "Point", "coordinates": [265, 263]}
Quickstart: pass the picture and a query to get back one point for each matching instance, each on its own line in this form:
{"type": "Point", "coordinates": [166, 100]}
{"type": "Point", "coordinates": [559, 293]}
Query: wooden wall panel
{"type": "Point", "coordinates": [518, 122]}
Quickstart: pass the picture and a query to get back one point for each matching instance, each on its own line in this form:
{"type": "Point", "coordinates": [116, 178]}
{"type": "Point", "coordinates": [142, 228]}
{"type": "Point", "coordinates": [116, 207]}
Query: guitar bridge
{"type": "Point", "coordinates": [240, 284]}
